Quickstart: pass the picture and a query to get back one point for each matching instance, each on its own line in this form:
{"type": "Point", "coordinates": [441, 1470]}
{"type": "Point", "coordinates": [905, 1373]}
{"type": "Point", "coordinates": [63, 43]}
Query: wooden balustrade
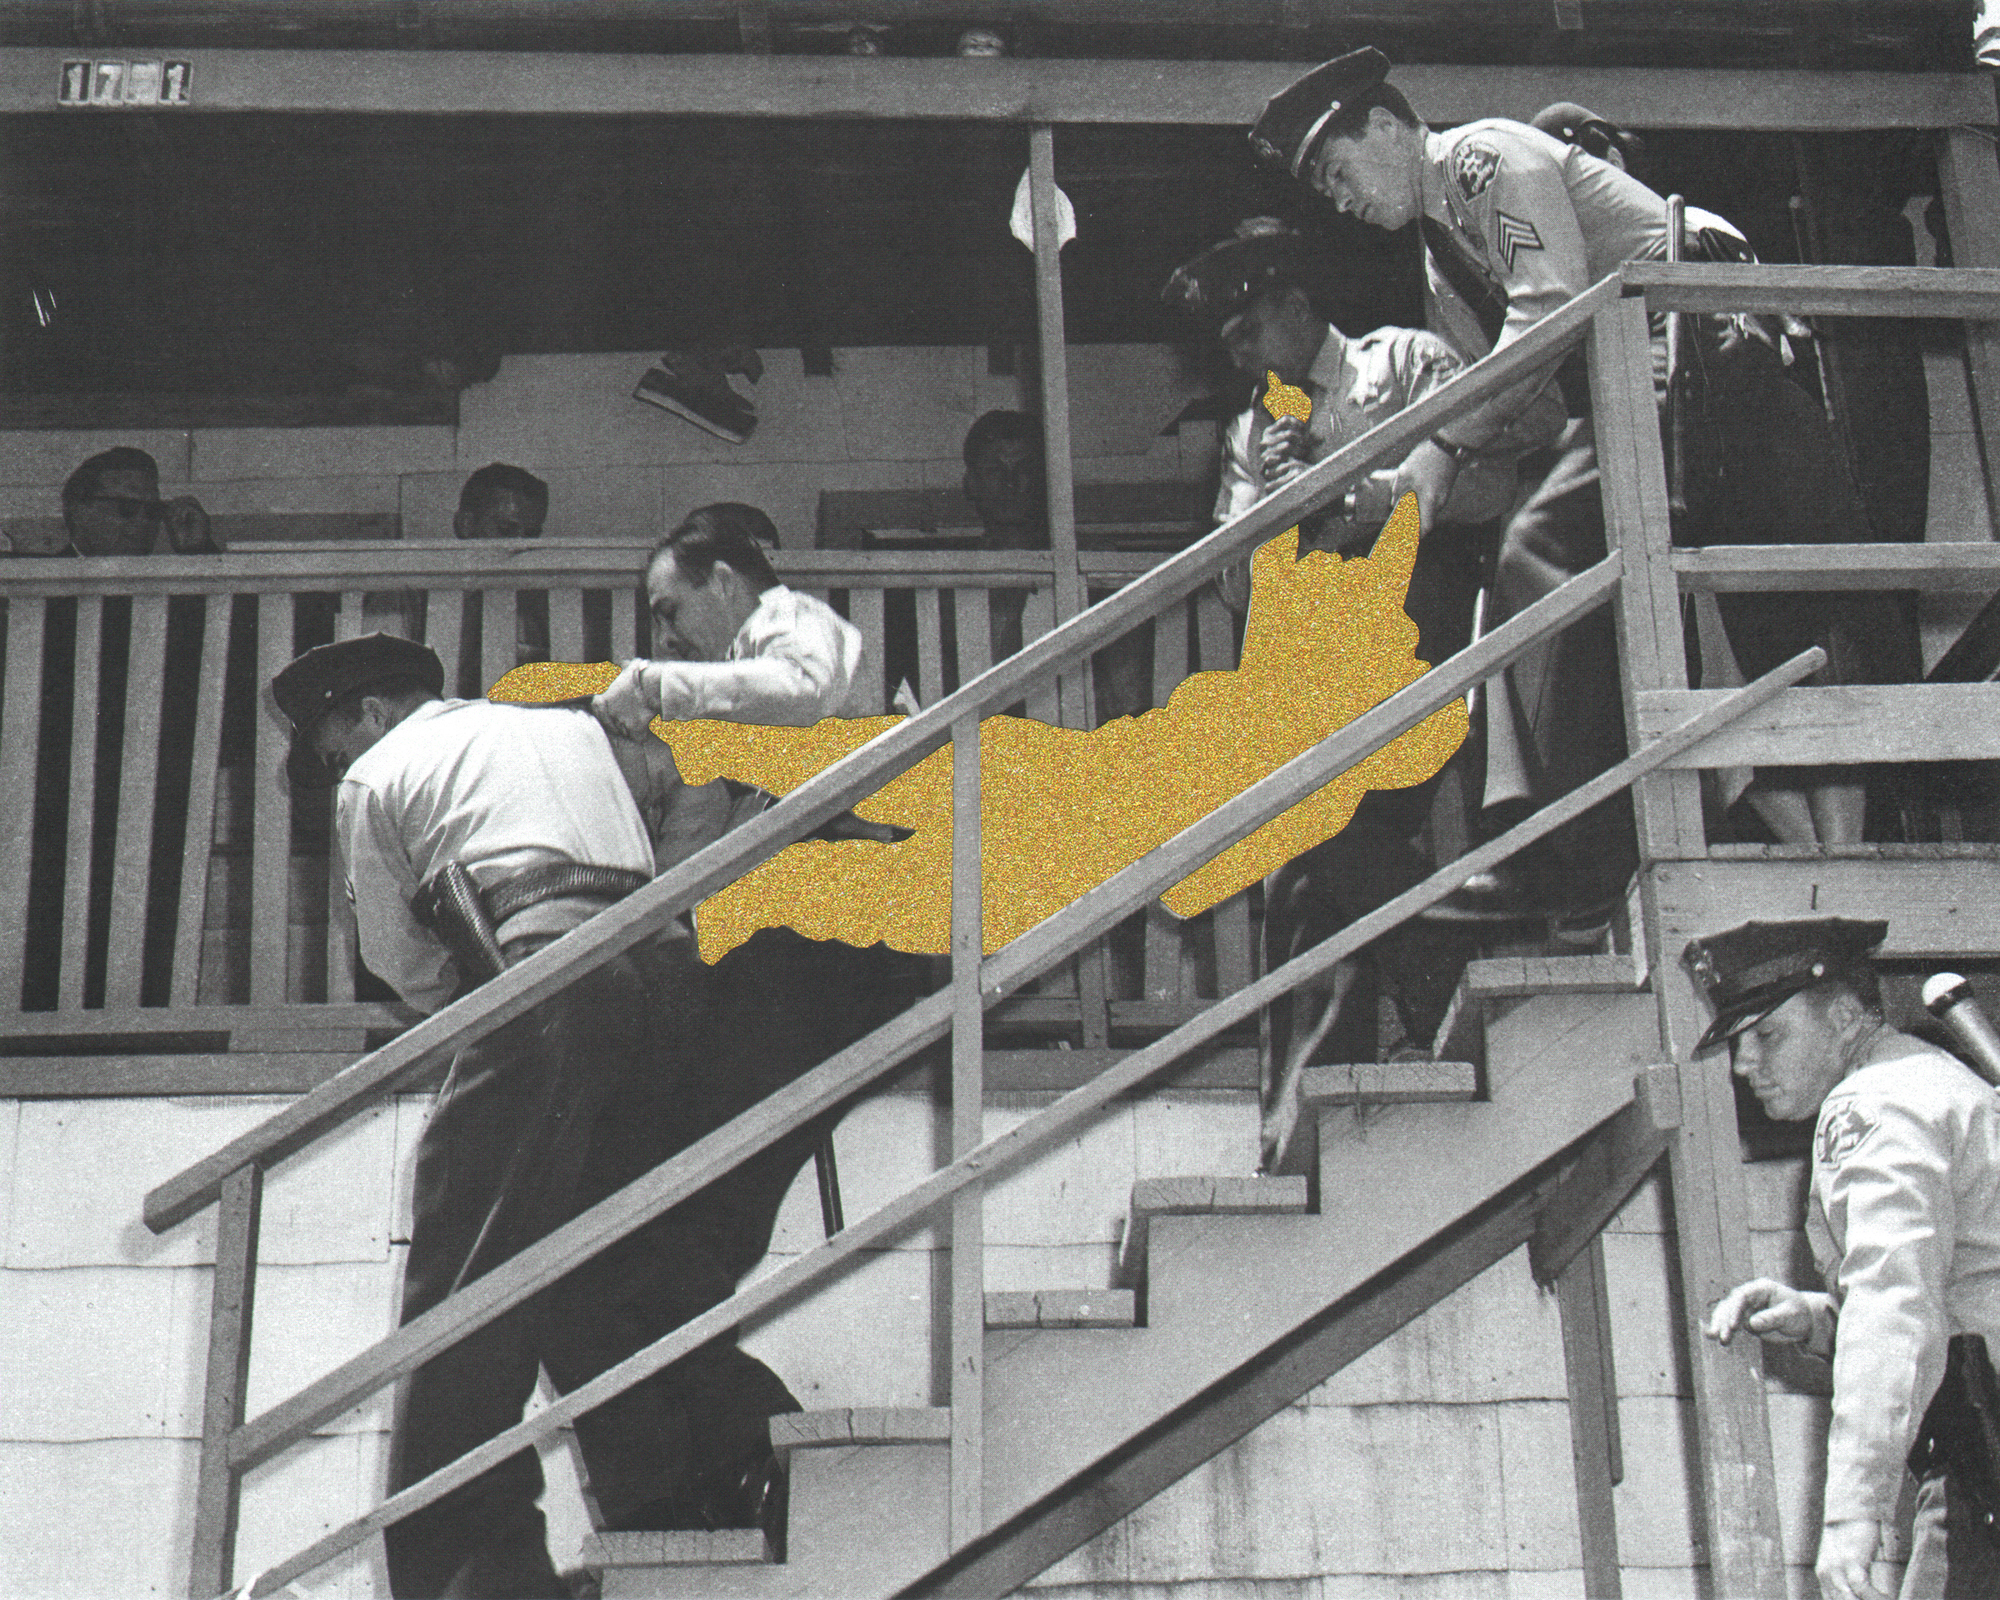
{"type": "Point", "coordinates": [133, 713]}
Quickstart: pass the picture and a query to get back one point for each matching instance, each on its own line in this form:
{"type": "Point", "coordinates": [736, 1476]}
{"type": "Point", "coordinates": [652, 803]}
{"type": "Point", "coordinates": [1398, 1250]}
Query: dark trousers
{"type": "Point", "coordinates": [1565, 697]}
{"type": "Point", "coordinates": [538, 1122]}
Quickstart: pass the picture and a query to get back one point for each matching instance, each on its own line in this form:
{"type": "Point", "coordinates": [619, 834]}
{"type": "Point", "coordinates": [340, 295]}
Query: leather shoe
{"type": "Point", "coordinates": [755, 1495]}
{"type": "Point", "coordinates": [1498, 895]}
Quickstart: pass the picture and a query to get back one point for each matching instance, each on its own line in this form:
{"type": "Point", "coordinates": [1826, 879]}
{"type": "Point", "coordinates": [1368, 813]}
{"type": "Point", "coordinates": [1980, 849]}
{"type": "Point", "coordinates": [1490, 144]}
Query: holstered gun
{"type": "Point", "coordinates": [1961, 1430]}
{"type": "Point", "coordinates": [448, 904]}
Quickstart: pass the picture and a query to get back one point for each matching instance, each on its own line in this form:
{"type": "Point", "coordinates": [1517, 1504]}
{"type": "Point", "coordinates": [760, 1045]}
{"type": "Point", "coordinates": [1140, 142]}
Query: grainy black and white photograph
{"type": "Point", "coordinates": [1120, 799]}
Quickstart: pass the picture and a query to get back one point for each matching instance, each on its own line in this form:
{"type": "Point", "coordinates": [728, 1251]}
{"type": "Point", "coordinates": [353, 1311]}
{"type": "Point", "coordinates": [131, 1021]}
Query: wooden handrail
{"type": "Point", "coordinates": [860, 1064]}
{"type": "Point", "coordinates": [1047, 1126]}
{"type": "Point", "coordinates": [1742, 568]}
{"type": "Point", "coordinates": [860, 774]}
{"type": "Point", "coordinates": [1972, 293]}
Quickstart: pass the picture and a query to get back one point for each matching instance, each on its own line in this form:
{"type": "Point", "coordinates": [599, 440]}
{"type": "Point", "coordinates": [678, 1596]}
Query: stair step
{"type": "Point", "coordinates": [1203, 1196]}
{"type": "Point", "coordinates": [1061, 1308]}
{"type": "Point", "coordinates": [815, 1430]}
{"type": "Point", "coordinates": [723, 1547]}
{"type": "Point", "coordinates": [1387, 1083]}
{"type": "Point", "coordinates": [1462, 1035]}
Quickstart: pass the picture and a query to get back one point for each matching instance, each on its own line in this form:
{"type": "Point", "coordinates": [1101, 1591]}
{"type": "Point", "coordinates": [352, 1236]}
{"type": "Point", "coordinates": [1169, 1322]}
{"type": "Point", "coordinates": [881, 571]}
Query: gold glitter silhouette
{"type": "Point", "coordinates": [1062, 809]}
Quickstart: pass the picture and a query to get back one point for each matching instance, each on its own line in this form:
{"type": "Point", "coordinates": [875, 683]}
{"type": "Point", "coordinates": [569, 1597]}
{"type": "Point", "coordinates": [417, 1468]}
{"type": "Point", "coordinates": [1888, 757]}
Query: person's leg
{"type": "Point", "coordinates": [468, 1393]}
{"type": "Point", "coordinates": [1567, 690]}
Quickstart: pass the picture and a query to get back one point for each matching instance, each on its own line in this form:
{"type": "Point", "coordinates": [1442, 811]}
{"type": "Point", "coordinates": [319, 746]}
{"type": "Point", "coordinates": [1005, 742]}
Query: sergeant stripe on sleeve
{"type": "Point", "coordinates": [1516, 235]}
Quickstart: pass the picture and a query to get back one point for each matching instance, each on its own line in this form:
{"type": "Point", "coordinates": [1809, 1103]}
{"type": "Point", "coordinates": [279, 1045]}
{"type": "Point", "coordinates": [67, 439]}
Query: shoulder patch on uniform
{"type": "Point", "coordinates": [1840, 1133]}
{"type": "Point", "coordinates": [1473, 165]}
{"type": "Point", "coordinates": [1515, 235]}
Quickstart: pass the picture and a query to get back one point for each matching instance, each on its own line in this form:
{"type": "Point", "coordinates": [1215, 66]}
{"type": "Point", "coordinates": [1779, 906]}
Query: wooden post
{"type": "Point", "coordinates": [198, 848]}
{"type": "Point", "coordinates": [271, 820]}
{"type": "Point", "coordinates": [968, 1100]}
{"type": "Point", "coordinates": [218, 1489]}
{"type": "Point", "coordinates": [1738, 1495]}
{"type": "Point", "coordinates": [20, 743]}
{"type": "Point", "coordinates": [132, 860]}
{"type": "Point", "coordinates": [1091, 985]}
{"type": "Point", "coordinates": [1593, 1416]}
{"type": "Point", "coordinates": [89, 663]}
{"type": "Point", "coordinates": [1969, 185]}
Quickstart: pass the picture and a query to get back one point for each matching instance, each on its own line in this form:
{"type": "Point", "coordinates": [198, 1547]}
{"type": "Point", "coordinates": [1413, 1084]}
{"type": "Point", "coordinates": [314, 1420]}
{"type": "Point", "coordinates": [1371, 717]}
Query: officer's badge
{"type": "Point", "coordinates": [1840, 1132]}
{"type": "Point", "coordinates": [1474, 166]}
{"type": "Point", "coordinates": [1514, 236]}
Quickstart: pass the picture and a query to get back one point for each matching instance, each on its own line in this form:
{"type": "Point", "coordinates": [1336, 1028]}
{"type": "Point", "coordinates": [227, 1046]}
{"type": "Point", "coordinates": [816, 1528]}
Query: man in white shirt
{"type": "Point", "coordinates": [1904, 1223]}
{"type": "Point", "coordinates": [550, 1113]}
{"type": "Point", "coordinates": [737, 644]}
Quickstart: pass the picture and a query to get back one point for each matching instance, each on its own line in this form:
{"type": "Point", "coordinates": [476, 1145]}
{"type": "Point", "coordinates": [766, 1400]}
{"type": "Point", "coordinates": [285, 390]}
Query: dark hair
{"type": "Point", "coordinates": [85, 481]}
{"type": "Point", "coordinates": [994, 427]}
{"type": "Point", "coordinates": [1349, 121]}
{"type": "Point", "coordinates": [727, 531]}
{"type": "Point", "coordinates": [497, 477]}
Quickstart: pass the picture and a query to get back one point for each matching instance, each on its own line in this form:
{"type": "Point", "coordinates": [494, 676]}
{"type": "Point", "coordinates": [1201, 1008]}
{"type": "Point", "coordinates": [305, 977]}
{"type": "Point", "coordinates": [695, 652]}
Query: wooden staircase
{"type": "Point", "coordinates": [1216, 1269]}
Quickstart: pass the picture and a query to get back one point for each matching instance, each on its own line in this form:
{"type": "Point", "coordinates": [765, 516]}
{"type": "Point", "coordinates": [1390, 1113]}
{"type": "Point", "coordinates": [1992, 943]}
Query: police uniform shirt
{"type": "Point", "coordinates": [498, 788]}
{"type": "Point", "coordinates": [1904, 1224]}
{"type": "Point", "coordinates": [1354, 384]}
{"type": "Point", "coordinates": [790, 664]}
{"type": "Point", "coordinates": [1537, 222]}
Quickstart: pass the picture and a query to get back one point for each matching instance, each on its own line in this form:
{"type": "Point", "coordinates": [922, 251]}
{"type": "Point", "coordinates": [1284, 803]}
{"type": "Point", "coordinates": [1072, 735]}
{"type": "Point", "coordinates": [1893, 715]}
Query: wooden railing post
{"type": "Point", "coordinates": [968, 1100]}
{"type": "Point", "coordinates": [1711, 1217]}
{"type": "Point", "coordinates": [218, 1485]}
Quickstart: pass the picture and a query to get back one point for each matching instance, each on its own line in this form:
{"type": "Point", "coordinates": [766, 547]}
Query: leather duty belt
{"type": "Point", "coordinates": [559, 880]}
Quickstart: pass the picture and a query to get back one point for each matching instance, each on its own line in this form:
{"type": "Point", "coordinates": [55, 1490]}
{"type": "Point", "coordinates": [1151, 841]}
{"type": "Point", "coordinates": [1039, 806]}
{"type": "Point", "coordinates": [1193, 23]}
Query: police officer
{"type": "Point", "coordinates": [1515, 223]}
{"type": "Point", "coordinates": [1904, 1223]}
{"type": "Point", "coordinates": [1250, 293]}
{"type": "Point", "coordinates": [548, 1114]}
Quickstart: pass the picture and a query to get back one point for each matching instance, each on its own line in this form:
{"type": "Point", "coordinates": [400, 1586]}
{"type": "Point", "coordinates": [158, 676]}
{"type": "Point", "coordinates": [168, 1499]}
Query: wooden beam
{"type": "Point", "coordinates": [1593, 1416]}
{"type": "Point", "coordinates": [1215, 93]}
{"type": "Point", "coordinates": [1935, 909]}
{"type": "Point", "coordinates": [140, 1074]}
{"type": "Point", "coordinates": [233, 1296]}
{"type": "Point", "coordinates": [1758, 568]}
{"type": "Point", "coordinates": [1818, 291]}
{"type": "Point", "coordinates": [1969, 185]}
{"type": "Point", "coordinates": [1809, 726]}
{"type": "Point", "coordinates": [200, 838]}
{"type": "Point", "coordinates": [967, 1334]}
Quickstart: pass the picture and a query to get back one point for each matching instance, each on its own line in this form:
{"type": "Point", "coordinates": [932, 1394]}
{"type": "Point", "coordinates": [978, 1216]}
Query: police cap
{"type": "Point", "coordinates": [1749, 971]}
{"type": "Point", "coordinates": [1224, 278]}
{"type": "Point", "coordinates": [308, 687]}
{"type": "Point", "coordinates": [1293, 120]}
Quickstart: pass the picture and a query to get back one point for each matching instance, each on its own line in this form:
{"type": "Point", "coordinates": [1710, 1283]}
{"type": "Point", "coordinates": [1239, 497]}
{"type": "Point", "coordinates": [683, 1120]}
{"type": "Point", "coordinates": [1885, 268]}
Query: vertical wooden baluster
{"type": "Point", "coordinates": [968, 1100]}
{"type": "Point", "coordinates": [132, 858]}
{"type": "Point", "coordinates": [444, 624]}
{"type": "Point", "coordinates": [218, 1489]}
{"type": "Point", "coordinates": [626, 640]}
{"type": "Point", "coordinates": [565, 624]}
{"type": "Point", "coordinates": [866, 611]}
{"type": "Point", "coordinates": [975, 633]}
{"type": "Point", "coordinates": [340, 934]}
{"type": "Point", "coordinates": [20, 743]}
{"type": "Point", "coordinates": [271, 819]}
{"type": "Point", "coordinates": [82, 799]}
{"type": "Point", "coordinates": [1165, 932]}
{"type": "Point", "coordinates": [1038, 616]}
{"type": "Point", "coordinates": [198, 848]}
{"type": "Point", "coordinates": [1231, 919]}
{"type": "Point", "coordinates": [930, 648]}
{"type": "Point", "coordinates": [499, 618]}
